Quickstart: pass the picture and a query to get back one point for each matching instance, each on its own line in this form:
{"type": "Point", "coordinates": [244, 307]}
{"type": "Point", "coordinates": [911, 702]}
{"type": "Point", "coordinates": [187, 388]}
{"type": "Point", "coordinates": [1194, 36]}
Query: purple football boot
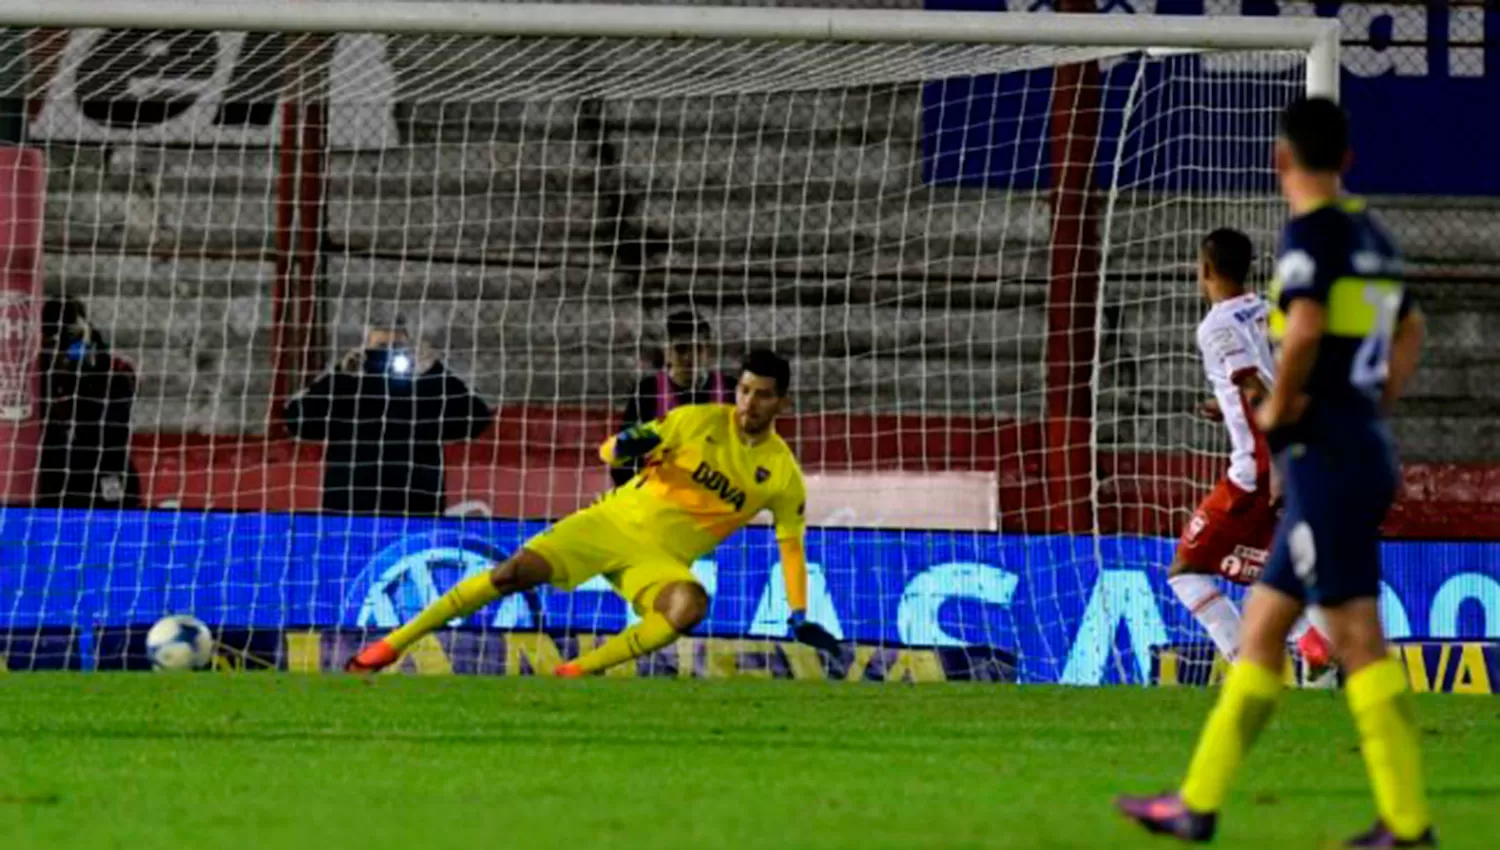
{"type": "Point", "coordinates": [1379, 836]}
{"type": "Point", "coordinates": [1165, 814]}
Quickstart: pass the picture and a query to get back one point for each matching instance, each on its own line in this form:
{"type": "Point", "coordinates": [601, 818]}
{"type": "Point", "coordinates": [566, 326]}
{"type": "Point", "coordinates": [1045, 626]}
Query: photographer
{"type": "Point", "coordinates": [86, 399]}
{"type": "Point", "coordinates": [385, 411]}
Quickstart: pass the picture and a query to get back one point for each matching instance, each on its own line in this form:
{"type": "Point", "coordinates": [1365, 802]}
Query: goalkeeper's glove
{"type": "Point", "coordinates": [633, 443]}
{"type": "Point", "coordinates": [812, 634]}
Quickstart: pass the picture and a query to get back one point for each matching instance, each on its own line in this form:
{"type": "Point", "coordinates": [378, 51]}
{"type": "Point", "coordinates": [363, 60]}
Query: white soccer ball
{"type": "Point", "coordinates": [179, 642]}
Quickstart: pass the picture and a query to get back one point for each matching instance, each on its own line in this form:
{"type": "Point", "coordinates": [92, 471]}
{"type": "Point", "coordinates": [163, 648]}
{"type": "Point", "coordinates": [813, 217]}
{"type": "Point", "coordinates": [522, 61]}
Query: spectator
{"type": "Point", "coordinates": [86, 398]}
{"type": "Point", "coordinates": [385, 411]}
{"type": "Point", "coordinates": [688, 377]}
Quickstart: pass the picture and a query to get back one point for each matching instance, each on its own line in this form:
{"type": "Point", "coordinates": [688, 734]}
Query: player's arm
{"type": "Point", "coordinates": [790, 513]}
{"type": "Point", "coordinates": [1255, 391]}
{"type": "Point", "coordinates": [1230, 351]}
{"type": "Point", "coordinates": [635, 412]}
{"type": "Point", "coordinates": [1252, 386]}
{"type": "Point", "coordinates": [1406, 351]}
{"type": "Point", "coordinates": [1234, 355]}
{"type": "Point", "coordinates": [1210, 410]}
{"type": "Point", "coordinates": [641, 439]}
{"type": "Point", "coordinates": [794, 572]}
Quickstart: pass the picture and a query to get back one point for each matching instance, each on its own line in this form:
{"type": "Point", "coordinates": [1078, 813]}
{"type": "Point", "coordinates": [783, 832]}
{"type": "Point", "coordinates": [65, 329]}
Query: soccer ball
{"type": "Point", "coordinates": [179, 642]}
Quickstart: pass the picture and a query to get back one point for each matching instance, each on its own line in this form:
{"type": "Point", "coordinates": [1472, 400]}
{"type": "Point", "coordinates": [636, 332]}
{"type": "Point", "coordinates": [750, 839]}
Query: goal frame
{"type": "Point", "coordinates": [1076, 276]}
{"type": "Point", "coordinates": [1318, 37]}
{"type": "Point", "coordinates": [1072, 335]}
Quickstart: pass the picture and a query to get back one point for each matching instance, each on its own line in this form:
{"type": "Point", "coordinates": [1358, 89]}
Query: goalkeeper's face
{"type": "Point", "coordinates": [757, 403]}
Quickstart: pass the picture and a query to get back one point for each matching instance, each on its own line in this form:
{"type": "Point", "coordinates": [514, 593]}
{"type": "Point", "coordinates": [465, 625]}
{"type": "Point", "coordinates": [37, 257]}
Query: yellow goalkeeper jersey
{"type": "Point", "coordinates": [704, 482]}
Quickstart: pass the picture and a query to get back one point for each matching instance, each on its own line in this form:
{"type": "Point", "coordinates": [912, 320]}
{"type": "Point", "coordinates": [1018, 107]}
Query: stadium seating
{"type": "Point", "coordinates": [540, 271]}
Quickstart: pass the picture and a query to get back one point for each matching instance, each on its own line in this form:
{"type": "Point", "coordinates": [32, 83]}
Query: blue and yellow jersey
{"type": "Point", "coordinates": [1341, 257]}
{"type": "Point", "coordinates": [703, 481]}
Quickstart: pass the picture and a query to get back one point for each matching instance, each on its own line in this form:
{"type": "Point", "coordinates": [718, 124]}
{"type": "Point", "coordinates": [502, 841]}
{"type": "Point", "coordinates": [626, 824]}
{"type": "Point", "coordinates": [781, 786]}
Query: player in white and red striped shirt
{"type": "Point", "coordinates": [1230, 533]}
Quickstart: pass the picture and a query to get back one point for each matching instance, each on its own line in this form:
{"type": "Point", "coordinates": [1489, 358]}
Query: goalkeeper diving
{"type": "Point", "coordinates": [708, 471]}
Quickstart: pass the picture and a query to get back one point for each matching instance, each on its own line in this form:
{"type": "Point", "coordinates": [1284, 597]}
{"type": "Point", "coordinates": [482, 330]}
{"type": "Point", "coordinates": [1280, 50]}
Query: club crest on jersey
{"type": "Point", "coordinates": [761, 474]}
{"type": "Point", "coordinates": [718, 483]}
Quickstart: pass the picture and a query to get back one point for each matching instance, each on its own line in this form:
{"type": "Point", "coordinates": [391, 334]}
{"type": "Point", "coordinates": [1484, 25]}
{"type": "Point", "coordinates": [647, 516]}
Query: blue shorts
{"type": "Point", "coordinates": [1327, 546]}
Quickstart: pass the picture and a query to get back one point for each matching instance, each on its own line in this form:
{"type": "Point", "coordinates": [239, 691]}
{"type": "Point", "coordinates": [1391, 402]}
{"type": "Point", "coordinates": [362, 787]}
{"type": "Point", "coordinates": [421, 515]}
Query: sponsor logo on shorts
{"type": "Point", "coordinates": [1244, 565]}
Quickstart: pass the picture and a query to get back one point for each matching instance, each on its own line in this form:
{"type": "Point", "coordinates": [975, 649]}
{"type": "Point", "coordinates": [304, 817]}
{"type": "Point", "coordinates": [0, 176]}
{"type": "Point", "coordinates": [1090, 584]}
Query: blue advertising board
{"type": "Point", "coordinates": [1417, 79]}
{"type": "Point", "coordinates": [1071, 609]}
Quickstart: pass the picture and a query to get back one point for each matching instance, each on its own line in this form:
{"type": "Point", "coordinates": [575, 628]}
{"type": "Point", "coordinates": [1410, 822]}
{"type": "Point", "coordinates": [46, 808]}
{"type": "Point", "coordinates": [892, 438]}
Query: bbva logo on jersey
{"type": "Point", "coordinates": [718, 483]}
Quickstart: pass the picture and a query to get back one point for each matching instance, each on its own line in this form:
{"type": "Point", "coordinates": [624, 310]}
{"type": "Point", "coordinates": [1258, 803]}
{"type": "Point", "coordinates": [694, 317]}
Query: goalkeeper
{"type": "Point", "coordinates": [709, 469]}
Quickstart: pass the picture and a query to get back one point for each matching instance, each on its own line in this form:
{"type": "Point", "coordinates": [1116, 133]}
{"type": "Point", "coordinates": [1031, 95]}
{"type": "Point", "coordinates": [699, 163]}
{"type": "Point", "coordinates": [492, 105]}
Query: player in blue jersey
{"type": "Point", "coordinates": [1350, 337]}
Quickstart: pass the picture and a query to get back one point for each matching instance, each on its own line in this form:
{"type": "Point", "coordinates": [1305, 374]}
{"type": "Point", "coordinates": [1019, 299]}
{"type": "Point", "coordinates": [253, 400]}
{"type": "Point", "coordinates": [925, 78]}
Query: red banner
{"type": "Point", "coordinates": [22, 184]}
{"type": "Point", "coordinates": [541, 462]}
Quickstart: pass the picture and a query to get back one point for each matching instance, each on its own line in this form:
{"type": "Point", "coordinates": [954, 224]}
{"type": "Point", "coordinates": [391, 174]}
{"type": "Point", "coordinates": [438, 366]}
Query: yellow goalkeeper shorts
{"type": "Point", "coordinates": [589, 544]}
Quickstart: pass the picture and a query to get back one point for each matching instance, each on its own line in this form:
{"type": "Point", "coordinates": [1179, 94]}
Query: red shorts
{"type": "Point", "coordinates": [1231, 532]}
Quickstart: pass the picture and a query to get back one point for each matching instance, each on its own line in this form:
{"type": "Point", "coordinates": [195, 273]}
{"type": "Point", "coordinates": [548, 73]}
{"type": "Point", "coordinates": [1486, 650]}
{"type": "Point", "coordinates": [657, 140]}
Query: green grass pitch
{"type": "Point", "coordinates": [276, 762]}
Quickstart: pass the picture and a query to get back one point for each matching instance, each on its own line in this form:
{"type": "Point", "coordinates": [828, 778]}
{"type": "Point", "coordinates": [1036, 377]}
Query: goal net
{"type": "Point", "coordinates": [974, 235]}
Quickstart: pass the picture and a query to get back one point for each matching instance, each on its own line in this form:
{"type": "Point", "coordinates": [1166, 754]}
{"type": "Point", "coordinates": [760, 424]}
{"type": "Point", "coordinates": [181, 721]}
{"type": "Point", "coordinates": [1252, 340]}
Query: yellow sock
{"type": "Point", "coordinates": [651, 633]}
{"type": "Point", "coordinates": [1388, 736]}
{"type": "Point", "coordinates": [1245, 704]}
{"type": "Point", "coordinates": [462, 599]}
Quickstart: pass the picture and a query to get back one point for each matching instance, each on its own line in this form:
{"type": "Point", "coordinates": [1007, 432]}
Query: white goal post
{"type": "Point", "coordinates": [972, 232]}
{"type": "Point", "coordinates": [1318, 38]}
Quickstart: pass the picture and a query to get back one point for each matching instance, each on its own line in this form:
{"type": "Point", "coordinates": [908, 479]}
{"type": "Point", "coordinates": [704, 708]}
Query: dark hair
{"type": "Point", "coordinates": [60, 313]}
{"type": "Point", "coordinates": [685, 325]}
{"type": "Point", "coordinates": [1229, 252]}
{"type": "Point", "coordinates": [1318, 131]}
{"type": "Point", "coordinates": [765, 363]}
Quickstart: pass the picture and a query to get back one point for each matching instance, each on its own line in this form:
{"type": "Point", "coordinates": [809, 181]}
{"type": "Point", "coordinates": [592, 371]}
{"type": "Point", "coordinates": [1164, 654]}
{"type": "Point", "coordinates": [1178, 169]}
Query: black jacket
{"type": "Point", "coordinates": [385, 437]}
{"type": "Point", "coordinates": [645, 404]}
{"type": "Point", "coordinates": [85, 408]}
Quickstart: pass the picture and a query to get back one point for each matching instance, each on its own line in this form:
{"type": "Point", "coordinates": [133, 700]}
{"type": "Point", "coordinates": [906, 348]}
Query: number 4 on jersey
{"type": "Point", "coordinates": [1372, 361]}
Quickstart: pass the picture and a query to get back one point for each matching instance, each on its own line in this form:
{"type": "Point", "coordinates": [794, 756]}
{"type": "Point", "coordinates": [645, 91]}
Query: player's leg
{"type": "Point", "coordinates": [1375, 684]}
{"type": "Point", "coordinates": [1246, 700]}
{"type": "Point", "coordinates": [1389, 738]}
{"type": "Point", "coordinates": [1344, 579]}
{"type": "Point", "coordinates": [566, 555]}
{"type": "Point", "coordinates": [522, 571]}
{"type": "Point", "coordinates": [1254, 685]}
{"type": "Point", "coordinates": [666, 595]}
{"type": "Point", "coordinates": [1198, 591]}
{"type": "Point", "coordinates": [1226, 538]}
{"type": "Point", "coordinates": [669, 610]}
